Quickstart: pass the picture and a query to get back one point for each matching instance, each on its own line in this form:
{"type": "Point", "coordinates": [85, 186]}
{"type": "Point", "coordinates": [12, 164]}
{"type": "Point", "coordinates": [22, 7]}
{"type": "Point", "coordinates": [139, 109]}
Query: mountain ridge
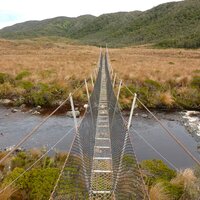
{"type": "Point", "coordinates": [173, 24]}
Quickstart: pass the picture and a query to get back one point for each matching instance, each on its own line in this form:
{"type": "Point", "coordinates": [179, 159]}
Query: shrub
{"type": "Point", "coordinates": [174, 191]}
{"type": "Point", "coordinates": [196, 82]}
{"type": "Point", "coordinates": [157, 170]}
{"type": "Point", "coordinates": [27, 85]}
{"type": "Point", "coordinates": [19, 160]}
{"type": "Point", "coordinates": [158, 192]}
{"type": "Point", "coordinates": [5, 78]}
{"type": "Point", "coordinates": [187, 97]}
{"type": "Point", "coordinates": [188, 181]}
{"type": "Point", "coordinates": [152, 85]}
{"type": "Point", "coordinates": [22, 75]}
{"type": "Point", "coordinates": [37, 183]}
{"type": "Point", "coordinates": [166, 99]}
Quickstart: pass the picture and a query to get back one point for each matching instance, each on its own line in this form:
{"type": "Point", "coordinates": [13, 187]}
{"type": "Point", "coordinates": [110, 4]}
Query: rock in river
{"type": "Point", "coordinates": [70, 113]}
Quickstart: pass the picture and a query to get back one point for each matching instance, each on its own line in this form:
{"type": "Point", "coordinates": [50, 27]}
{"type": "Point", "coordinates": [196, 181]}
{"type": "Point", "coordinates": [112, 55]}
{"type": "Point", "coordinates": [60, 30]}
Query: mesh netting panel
{"type": "Point", "coordinates": [102, 163]}
{"type": "Point", "coordinates": [75, 180]}
{"type": "Point", "coordinates": [128, 183]}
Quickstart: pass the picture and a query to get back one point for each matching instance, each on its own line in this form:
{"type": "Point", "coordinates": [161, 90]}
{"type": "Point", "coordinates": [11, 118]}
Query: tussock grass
{"type": "Point", "coordinates": [185, 178]}
{"type": "Point", "coordinates": [157, 192]}
{"type": "Point", "coordinates": [7, 193]}
{"type": "Point", "coordinates": [142, 63]}
{"type": "Point", "coordinates": [44, 71]}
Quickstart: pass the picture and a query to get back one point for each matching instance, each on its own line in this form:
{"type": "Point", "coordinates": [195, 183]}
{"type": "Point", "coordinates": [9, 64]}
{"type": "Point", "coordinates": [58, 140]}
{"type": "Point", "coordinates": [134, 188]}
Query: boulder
{"type": "Point", "coordinates": [70, 113]}
{"type": "Point", "coordinates": [14, 110]}
{"type": "Point", "coordinates": [144, 115]}
{"type": "Point", "coordinates": [35, 113]}
{"type": "Point", "coordinates": [6, 101]}
{"type": "Point", "coordinates": [38, 108]}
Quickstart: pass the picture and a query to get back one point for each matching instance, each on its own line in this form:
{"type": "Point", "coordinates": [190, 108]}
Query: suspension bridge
{"type": "Point", "coordinates": [101, 163]}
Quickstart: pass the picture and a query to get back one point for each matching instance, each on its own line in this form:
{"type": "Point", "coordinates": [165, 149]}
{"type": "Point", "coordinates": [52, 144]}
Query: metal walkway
{"type": "Point", "coordinates": [102, 173]}
{"type": "Point", "coordinates": [102, 163]}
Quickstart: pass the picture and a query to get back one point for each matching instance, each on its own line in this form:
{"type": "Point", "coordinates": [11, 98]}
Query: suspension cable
{"type": "Point", "coordinates": [37, 127]}
{"type": "Point", "coordinates": [168, 131]}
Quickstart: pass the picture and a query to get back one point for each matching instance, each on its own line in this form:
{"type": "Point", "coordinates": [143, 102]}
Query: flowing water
{"type": "Point", "coordinates": [14, 126]}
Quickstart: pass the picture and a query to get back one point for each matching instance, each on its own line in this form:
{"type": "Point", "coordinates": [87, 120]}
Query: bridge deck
{"type": "Point", "coordinates": [102, 172]}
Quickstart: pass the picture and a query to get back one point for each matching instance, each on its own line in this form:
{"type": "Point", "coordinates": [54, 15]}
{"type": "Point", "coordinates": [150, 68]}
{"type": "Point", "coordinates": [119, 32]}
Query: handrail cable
{"type": "Point", "coordinates": [37, 127]}
{"type": "Point", "coordinates": [154, 149]}
{"type": "Point", "coordinates": [42, 156]}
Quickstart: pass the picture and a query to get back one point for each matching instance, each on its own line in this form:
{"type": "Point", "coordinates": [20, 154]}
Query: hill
{"type": "Point", "coordinates": [174, 24]}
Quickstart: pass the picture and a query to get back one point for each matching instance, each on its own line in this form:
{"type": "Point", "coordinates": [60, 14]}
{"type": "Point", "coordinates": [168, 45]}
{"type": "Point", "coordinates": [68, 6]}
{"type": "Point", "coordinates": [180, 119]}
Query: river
{"type": "Point", "coordinates": [14, 126]}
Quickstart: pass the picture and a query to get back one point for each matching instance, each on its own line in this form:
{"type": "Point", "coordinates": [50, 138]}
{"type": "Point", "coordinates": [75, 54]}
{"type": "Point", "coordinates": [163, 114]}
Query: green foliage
{"type": "Point", "coordinates": [19, 160]}
{"type": "Point", "coordinates": [187, 99]}
{"type": "Point", "coordinates": [196, 82]}
{"type": "Point", "coordinates": [152, 85]}
{"type": "Point", "coordinates": [5, 78]}
{"type": "Point", "coordinates": [157, 170]}
{"type": "Point", "coordinates": [42, 94]}
{"type": "Point", "coordinates": [22, 75]}
{"type": "Point", "coordinates": [174, 191]}
{"type": "Point", "coordinates": [37, 183]}
{"type": "Point", "coordinates": [27, 85]}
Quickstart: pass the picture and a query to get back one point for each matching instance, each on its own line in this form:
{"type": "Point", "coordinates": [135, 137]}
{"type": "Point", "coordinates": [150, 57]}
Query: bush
{"type": "Point", "coordinates": [196, 82]}
{"type": "Point", "coordinates": [152, 85]}
{"type": "Point", "coordinates": [157, 170]}
{"type": "Point", "coordinates": [37, 183]}
{"type": "Point", "coordinates": [5, 78]}
{"type": "Point", "coordinates": [22, 75]}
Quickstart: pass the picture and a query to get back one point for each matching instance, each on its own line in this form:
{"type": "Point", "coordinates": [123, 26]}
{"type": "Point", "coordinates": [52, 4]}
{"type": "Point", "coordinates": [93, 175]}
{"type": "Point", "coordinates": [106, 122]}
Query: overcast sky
{"type": "Point", "coordinates": [14, 11]}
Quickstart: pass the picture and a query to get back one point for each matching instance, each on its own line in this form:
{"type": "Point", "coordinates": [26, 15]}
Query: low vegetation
{"type": "Point", "coordinates": [43, 72]}
{"type": "Point", "coordinates": [162, 182]}
{"type": "Point", "coordinates": [166, 184]}
{"type": "Point", "coordinates": [36, 183]}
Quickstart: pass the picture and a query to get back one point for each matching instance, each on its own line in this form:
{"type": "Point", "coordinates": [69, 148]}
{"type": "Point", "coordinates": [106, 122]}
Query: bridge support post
{"type": "Point", "coordinates": [132, 109]}
{"type": "Point", "coordinates": [87, 91]}
{"type": "Point", "coordinates": [73, 112]}
{"type": "Point", "coordinates": [92, 81]}
{"type": "Point", "coordinates": [119, 89]}
{"type": "Point", "coordinates": [114, 80]}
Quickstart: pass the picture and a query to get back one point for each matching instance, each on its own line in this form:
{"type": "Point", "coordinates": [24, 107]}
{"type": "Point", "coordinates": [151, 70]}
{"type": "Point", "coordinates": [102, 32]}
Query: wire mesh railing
{"type": "Point", "coordinates": [102, 162]}
{"type": "Point", "coordinates": [128, 183]}
{"type": "Point", "coordinates": [74, 182]}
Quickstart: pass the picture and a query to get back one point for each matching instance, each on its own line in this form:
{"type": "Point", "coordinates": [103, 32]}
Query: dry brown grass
{"type": "Point", "coordinates": [157, 192]}
{"type": "Point", "coordinates": [185, 178]}
{"type": "Point", "coordinates": [7, 193]}
{"type": "Point", "coordinates": [161, 65]}
{"type": "Point", "coordinates": [35, 152]}
{"type": "Point", "coordinates": [166, 99]}
{"type": "Point", "coordinates": [58, 61]}
{"type": "Point", "coordinates": [47, 62]}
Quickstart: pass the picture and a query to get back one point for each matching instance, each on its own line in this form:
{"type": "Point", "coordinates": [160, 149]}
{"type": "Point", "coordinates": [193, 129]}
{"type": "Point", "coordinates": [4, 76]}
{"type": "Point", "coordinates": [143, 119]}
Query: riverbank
{"type": "Point", "coordinates": [43, 73]}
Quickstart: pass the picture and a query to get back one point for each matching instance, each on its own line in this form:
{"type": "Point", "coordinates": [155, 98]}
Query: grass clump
{"type": "Point", "coordinates": [167, 184]}
{"type": "Point", "coordinates": [22, 75]}
{"type": "Point", "coordinates": [38, 182]}
{"type": "Point", "coordinates": [196, 82]}
{"type": "Point", "coordinates": [5, 78]}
